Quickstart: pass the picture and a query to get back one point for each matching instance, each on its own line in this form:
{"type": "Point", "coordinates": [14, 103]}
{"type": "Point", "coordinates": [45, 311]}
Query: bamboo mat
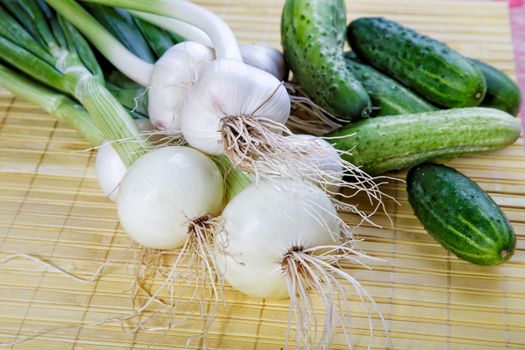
{"type": "Point", "coordinates": [50, 206]}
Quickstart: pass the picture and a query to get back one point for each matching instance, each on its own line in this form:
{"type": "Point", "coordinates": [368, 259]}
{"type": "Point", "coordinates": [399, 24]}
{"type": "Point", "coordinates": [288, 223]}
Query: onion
{"type": "Point", "coordinates": [263, 223]}
{"type": "Point", "coordinates": [164, 192]}
{"type": "Point", "coordinates": [110, 170]}
{"type": "Point", "coordinates": [281, 239]}
{"type": "Point", "coordinates": [169, 198]}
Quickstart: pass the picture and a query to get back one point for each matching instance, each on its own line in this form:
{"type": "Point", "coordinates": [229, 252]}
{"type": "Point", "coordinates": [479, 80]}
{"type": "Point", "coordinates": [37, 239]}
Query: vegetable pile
{"type": "Point", "coordinates": [195, 144]}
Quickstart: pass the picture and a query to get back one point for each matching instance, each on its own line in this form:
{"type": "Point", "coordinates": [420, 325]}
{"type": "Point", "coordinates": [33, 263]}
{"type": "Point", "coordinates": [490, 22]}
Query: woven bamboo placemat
{"type": "Point", "coordinates": [50, 206]}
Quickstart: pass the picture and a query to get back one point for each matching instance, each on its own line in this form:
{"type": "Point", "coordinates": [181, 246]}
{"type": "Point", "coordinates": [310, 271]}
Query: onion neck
{"type": "Point", "coordinates": [222, 37]}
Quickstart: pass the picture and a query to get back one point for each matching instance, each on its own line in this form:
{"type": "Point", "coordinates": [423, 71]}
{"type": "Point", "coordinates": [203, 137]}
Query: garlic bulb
{"type": "Point", "coordinates": [172, 76]}
{"type": "Point", "coordinates": [229, 89]}
{"type": "Point", "coordinates": [266, 58]}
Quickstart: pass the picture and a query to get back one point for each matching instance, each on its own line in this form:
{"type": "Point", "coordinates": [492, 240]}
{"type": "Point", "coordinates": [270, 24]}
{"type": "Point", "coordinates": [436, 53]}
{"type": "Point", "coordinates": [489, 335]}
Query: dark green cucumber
{"type": "Point", "coordinates": [388, 96]}
{"type": "Point", "coordinates": [312, 33]}
{"type": "Point", "coordinates": [502, 91]}
{"type": "Point", "coordinates": [426, 66]}
{"type": "Point", "coordinates": [460, 215]}
{"type": "Point", "coordinates": [389, 143]}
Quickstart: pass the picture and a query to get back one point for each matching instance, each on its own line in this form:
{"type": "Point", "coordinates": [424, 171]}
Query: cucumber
{"type": "Point", "coordinates": [502, 91]}
{"type": "Point", "coordinates": [460, 215]}
{"type": "Point", "coordinates": [312, 33]}
{"type": "Point", "coordinates": [426, 66]}
{"type": "Point", "coordinates": [389, 143]}
{"type": "Point", "coordinates": [388, 96]}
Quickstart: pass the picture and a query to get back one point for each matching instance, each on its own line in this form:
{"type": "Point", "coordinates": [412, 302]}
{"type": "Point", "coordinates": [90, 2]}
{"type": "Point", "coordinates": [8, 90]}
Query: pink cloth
{"type": "Point", "coordinates": [517, 19]}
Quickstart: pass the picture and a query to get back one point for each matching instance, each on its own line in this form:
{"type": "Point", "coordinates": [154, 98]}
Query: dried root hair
{"type": "Point", "coordinates": [318, 271]}
{"type": "Point", "coordinates": [266, 149]}
{"type": "Point", "coordinates": [157, 308]}
{"type": "Point", "coordinates": [307, 116]}
{"type": "Point", "coordinates": [193, 266]}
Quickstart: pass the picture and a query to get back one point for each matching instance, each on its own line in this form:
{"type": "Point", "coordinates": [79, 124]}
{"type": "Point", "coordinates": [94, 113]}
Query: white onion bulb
{"type": "Point", "coordinates": [280, 239]}
{"type": "Point", "coordinates": [110, 170]}
{"type": "Point", "coordinates": [266, 58]}
{"type": "Point", "coordinates": [265, 221]}
{"type": "Point", "coordinates": [163, 191]}
{"type": "Point", "coordinates": [229, 88]}
{"type": "Point", "coordinates": [173, 75]}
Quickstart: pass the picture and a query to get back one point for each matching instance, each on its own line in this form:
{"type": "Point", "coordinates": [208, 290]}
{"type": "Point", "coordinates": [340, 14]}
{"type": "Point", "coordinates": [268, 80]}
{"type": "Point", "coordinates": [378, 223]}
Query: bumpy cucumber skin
{"type": "Point", "coordinates": [388, 143]}
{"type": "Point", "coordinates": [502, 91]}
{"type": "Point", "coordinates": [388, 96]}
{"type": "Point", "coordinates": [312, 33]}
{"type": "Point", "coordinates": [426, 66]}
{"type": "Point", "coordinates": [460, 215]}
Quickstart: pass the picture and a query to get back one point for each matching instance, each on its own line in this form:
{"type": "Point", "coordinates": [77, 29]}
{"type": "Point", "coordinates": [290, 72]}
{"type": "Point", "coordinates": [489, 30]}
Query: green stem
{"type": "Point", "coordinates": [123, 27]}
{"type": "Point", "coordinates": [109, 46]}
{"type": "Point", "coordinates": [108, 114]}
{"type": "Point", "coordinates": [58, 105]}
{"type": "Point", "coordinates": [175, 27]}
{"type": "Point", "coordinates": [77, 44]}
{"type": "Point", "coordinates": [11, 30]}
{"type": "Point", "coordinates": [222, 37]}
{"type": "Point", "coordinates": [158, 39]}
{"type": "Point", "coordinates": [70, 73]}
{"type": "Point", "coordinates": [133, 98]}
{"type": "Point", "coordinates": [235, 180]}
{"type": "Point", "coordinates": [24, 60]}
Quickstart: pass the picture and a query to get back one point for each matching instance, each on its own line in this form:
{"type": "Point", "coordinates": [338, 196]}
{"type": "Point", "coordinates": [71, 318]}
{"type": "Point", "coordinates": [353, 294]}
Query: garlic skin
{"type": "Point", "coordinates": [229, 88]}
{"type": "Point", "coordinates": [262, 224]}
{"type": "Point", "coordinates": [173, 75]}
{"type": "Point", "coordinates": [163, 191]}
{"type": "Point", "coordinates": [266, 58]}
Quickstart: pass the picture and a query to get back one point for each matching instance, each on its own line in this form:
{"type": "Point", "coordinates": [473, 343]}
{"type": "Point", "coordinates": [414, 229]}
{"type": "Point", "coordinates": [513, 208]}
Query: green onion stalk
{"type": "Point", "coordinates": [218, 31]}
{"type": "Point", "coordinates": [123, 27]}
{"type": "Point", "coordinates": [50, 50]}
{"type": "Point", "coordinates": [56, 104]}
{"type": "Point", "coordinates": [145, 40]}
{"type": "Point", "coordinates": [164, 13]}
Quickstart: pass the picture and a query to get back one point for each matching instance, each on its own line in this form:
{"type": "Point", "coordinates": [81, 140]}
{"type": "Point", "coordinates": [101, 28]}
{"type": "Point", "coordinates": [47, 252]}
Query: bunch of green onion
{"type": "Point", "coordinates": [233, 209]}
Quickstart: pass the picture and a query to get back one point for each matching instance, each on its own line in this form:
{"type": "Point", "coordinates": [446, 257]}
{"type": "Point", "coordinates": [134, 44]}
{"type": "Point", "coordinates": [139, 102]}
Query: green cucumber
{"type": "Point", "coordinates": [389, 143]}
{"type": "Point", "coordinates": [312, 33]}
{"type": "Point", "coordinates": [502, 91]}
{"type": "Point", "coordinates": [429, 68]}
{"type": "Point", "coordinates": [460, 215]}
{"type": "Point", "coordinates": [388, 96]}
